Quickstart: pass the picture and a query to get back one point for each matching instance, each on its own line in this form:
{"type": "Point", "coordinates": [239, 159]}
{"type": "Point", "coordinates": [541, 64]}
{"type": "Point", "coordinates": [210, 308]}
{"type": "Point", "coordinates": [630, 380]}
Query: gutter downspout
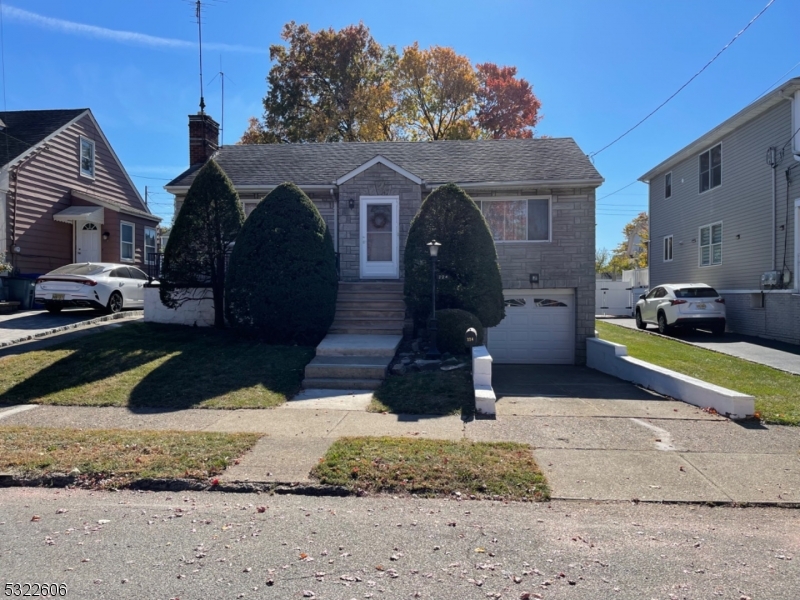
{"type": "Point", "coordinates": [335, 223]}
{"type": "Point", "coordinates": [774, 165]}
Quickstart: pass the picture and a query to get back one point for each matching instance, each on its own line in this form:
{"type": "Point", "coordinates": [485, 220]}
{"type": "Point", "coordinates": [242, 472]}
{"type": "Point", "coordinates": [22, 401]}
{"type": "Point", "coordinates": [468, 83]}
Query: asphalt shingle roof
{"type": "Point", "coordinates": [26, 128]}
{"type": "Point", "coordinates": [473, 161]}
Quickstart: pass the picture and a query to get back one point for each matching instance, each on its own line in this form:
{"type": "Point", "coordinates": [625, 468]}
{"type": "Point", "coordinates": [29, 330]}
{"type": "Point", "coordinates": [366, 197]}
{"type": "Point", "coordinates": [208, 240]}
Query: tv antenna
{"type": "Point", "coordinates": [198, 10]}
{"type": "Point", "coordinates": [222, 77]}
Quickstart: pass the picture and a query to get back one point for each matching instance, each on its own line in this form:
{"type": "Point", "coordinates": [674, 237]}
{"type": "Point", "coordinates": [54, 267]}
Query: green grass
{"type": "Point", "coordinates": [433, 468]}
{"type": "Point", "coordinates": [118, 457]}
{"type": "Point", "coordinates": [426, 393]}
{"type": "Point", "coordinates": [777, 393]}
{"type": "Point", "coordinates": [156, 366]}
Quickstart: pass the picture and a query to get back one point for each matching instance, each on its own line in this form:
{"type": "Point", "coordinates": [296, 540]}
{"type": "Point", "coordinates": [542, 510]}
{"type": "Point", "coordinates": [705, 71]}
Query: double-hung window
{"type": "Point", "coordinates": [87, 158]}
{"type": "Point", "coordinates": [667, 248]}
{"type": "Point", "coordinates": [126, 236]}
{"type": "Point", "coordinates": [711, 245]}
{"type": "Point", "coordinates": [711, 168]}
{"type": "Point", "coordinates": [518, 219]}
{"type": "Point", "coordinates": [149, 245]}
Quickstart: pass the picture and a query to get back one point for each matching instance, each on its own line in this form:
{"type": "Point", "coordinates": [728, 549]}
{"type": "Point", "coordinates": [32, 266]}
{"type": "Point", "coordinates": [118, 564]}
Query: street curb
{"type": "Point", "coordinates": [65, 480]}
{"type": "Point", "coordinates": [80, 325]}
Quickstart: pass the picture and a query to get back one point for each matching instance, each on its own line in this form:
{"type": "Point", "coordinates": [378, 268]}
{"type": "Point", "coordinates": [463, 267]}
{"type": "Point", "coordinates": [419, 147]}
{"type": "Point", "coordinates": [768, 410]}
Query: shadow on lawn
{"type": "Point", "coordinates": [427, 395]}
{"type": "Point", "coordinates": [197, 367]}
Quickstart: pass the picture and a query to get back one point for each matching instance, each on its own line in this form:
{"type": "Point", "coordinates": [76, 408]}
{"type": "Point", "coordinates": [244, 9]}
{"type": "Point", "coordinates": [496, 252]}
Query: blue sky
{"type": "Point", "coordinates": [598, 67]}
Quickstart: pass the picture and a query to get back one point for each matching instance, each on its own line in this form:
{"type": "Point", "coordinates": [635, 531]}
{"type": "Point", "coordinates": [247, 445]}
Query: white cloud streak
{"type": "Point", "coordinates": [116, 35]}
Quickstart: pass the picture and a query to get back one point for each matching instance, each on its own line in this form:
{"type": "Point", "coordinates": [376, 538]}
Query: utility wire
{"type": "Point", "coordinates": [777, 81]}
{"type": "Point", "coordinates": [680, 89]}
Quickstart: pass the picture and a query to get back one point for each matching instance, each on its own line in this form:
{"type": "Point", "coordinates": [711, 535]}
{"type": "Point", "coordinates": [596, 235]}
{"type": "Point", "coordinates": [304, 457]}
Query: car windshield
{"type": "Point", "coordinates": [696, 292]}
{"type": "Point", "coordinates": [78, 269]}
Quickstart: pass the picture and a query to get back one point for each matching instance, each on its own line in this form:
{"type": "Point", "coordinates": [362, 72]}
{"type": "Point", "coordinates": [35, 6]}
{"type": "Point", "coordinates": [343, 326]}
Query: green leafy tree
{"type": "Point", "coordinates": [204, 230]}
{"type": "Point", "coordinates": [469, 273]}
{"type": "Point", "coordinates": [632, 251]}
{"type": "Point", "coordinates": [282, 278]}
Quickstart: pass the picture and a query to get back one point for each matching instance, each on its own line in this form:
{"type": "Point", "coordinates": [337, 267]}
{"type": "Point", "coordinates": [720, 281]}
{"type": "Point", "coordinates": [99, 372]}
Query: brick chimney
{"type": "Point", "coordinates": [203, 138]}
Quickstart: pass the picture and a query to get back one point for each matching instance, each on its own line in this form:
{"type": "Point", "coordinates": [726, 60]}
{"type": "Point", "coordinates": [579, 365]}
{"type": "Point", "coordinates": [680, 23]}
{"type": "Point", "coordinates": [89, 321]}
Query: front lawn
{"type": "Point", "coordinates": [156, 366]}
{"type": "Point", "coordinates": [777, 393]}
{"type": "Point", "coordinates": [433, 468]}
{"type": "Point", "coordinates": [114, 457]}
{"type": "Point", "coordinates": [426, 393]}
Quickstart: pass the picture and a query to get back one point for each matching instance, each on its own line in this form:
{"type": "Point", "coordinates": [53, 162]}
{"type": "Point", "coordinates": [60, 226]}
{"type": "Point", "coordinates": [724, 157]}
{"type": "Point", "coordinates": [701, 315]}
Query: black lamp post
{"type": "Point", "coordinates": [433, 351]}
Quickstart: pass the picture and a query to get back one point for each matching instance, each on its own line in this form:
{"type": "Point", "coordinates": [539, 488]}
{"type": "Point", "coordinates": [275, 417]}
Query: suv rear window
{"type": "Point", "coordinates": [78, 269]}
{"type": "Point", "coordinates": [696, 292]}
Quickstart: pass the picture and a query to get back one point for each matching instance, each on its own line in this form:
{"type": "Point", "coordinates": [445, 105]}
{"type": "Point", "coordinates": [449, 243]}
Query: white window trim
{"type": "Point", "coordinates": [721, 162]}
{"type": "Point", "coordinates": [549, 199]}
{"type": "Point", "coordinates": [711, 245]}
{"type": "Point", "coordinates": [147, 260]}
{"type": "Point", "coordinates": [670, 185]}
{"type": "Point", "coordinates": [671, 248]}
{"type": "Point", "coordinates": [84, 140]}
{"type": "Point", "coordinates": [133, 242]}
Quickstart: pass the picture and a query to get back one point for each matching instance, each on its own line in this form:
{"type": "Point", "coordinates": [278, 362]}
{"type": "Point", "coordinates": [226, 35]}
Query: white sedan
{"type": "Point", "coordinates": [690, 305]}
{"type": "Point", "coordinates": [105, 286]}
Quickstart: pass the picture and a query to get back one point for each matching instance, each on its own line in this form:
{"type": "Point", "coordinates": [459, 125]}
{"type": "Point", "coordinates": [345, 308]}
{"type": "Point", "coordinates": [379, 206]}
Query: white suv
{"type": "Point", "coordinates": [690, 305]}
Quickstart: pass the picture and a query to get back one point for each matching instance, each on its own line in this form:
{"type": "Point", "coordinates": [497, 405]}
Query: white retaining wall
{"type": "Point", "coordinates": [482, 381]}
{"type": "Point", "coordinates": [613, 359]}
{"type": "Point", "coordinates": [197, 310]}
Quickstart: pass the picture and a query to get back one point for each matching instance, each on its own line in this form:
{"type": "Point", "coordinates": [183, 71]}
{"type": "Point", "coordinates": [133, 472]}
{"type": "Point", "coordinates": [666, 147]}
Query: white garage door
{"type": "Point", "coordinates": [539, 328]}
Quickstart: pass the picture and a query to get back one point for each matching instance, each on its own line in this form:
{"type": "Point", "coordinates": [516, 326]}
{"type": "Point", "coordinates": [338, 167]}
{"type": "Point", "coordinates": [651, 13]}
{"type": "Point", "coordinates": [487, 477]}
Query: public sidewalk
{"type": "Point", "coordinates": [595, 437]}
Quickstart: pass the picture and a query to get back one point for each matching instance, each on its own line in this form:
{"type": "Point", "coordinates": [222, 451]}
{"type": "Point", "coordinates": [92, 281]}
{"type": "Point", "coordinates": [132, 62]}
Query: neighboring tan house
{"type": "Point", "coordinates": [64, 195]}
{"type": "Point", "coordinates": [538, 196]}
{"type": "Point", "coordinates": [725, 211]}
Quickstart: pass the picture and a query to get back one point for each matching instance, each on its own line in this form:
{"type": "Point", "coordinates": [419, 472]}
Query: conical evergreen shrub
{"type": "Point", "coordinates": [282, 278]}
{"type": "Point", "coordinates": [206, 225]}
{"type": "Point", "coordinates": [469, 274]}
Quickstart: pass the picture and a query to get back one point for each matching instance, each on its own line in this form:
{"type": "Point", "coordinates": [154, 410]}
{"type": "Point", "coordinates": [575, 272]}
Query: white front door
{"type": "Point", "coordinates": [87, 242]}
{"type": "Point", "coordinates": [380, 247]}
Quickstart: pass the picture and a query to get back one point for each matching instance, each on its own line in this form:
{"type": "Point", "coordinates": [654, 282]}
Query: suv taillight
{"type": "Point", "coordinates": [677, 301]}
{"type": "Point", "coordinates": [720, 300]}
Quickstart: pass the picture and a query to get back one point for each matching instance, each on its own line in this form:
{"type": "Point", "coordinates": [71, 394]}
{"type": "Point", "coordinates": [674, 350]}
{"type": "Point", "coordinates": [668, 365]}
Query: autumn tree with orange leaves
{"type": "Point", "coordinates": [329, 86]}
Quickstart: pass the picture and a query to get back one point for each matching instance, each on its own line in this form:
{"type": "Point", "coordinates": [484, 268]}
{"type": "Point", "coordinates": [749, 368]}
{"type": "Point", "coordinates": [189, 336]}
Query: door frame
{"type": "Point", "coordinates": [384, 269]}
{"type": "Point", "coordinates": [76, 234]}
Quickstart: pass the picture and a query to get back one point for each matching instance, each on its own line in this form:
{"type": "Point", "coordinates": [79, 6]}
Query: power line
{"type": "Point", "coordinates": [797, 64]}
{"type": "Point", "coordinates": [693, 77]}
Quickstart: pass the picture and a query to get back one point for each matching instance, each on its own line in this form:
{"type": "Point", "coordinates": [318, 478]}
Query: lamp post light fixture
{"type": "Point", "coordinates": [433, 351]}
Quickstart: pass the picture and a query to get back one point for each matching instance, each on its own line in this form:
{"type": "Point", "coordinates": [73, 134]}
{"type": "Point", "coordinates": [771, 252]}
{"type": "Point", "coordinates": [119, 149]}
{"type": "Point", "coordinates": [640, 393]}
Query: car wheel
{"type": "Point", "coordinates": [114, 303]}
{"type": "Point", "coordinates": [663, 328]}
{"type": "Point", "coordinates": [639, 323]}
{"type": "Point", "coordinates": [718, 329]}
{"type": "Point", "coordinates": [53, 309]}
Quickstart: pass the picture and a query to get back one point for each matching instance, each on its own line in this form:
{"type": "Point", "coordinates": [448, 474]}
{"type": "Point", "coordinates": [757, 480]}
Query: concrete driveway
{"type": "Point", "coordinates": [22, 326]}
{"type": "Point", "coordinates": [778, 355]}
{"type": "Point", "coordinates": [599, 438]}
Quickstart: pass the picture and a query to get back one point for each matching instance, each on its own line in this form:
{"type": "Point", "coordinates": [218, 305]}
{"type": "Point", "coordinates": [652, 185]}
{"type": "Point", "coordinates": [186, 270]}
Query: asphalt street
{"type": "Point", "coordinates": [214, 545]}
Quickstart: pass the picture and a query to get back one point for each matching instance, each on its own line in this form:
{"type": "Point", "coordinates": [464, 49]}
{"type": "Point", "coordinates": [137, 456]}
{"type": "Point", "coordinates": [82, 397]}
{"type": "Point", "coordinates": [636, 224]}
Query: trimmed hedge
{"type": "Point", "coordinates": [452, 327]}
{"type": "Point", "coordinates": [282, 278]}
{"type": "Point", "coordinates": [469, 274]}
{"type": "Point", "coordinates": [208, 222]}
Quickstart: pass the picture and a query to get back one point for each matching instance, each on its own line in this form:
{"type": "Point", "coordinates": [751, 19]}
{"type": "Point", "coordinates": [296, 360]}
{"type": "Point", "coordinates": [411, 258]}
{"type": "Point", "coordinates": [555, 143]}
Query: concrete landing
{"type": "Point", "coordinates": [344, 344]}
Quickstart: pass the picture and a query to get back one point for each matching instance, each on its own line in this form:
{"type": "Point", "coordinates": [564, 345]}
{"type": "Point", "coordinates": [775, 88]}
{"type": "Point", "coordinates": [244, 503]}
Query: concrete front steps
{"type": "Point", "coordinates": [351, 361]}
{"type": "Point", "coordinates": [369, 308]}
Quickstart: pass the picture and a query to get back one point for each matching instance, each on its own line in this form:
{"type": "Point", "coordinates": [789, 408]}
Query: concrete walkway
{"type": "Point", "coordinates": [594, 437]}
{"type": "Point", "coordinates": [778, 355]}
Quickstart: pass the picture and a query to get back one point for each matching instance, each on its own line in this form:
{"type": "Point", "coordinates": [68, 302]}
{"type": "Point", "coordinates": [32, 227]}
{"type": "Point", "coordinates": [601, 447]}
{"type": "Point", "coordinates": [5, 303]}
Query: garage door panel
{"type": "Point", "coordinates": [539, 328]}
